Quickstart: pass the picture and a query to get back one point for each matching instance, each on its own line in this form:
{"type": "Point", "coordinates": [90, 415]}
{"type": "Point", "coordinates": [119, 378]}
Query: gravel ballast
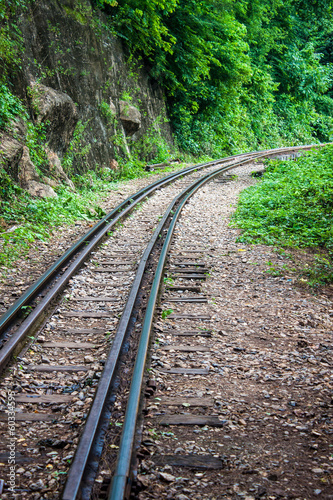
{"type": "Point", "coordinates": [269, 364]}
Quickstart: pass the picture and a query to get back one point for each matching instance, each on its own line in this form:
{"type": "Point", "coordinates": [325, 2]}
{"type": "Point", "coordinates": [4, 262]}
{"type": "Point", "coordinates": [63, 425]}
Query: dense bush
{"type": "Point", "coordinates": [238, 74]}
{"type": "Point", "coordinates": [293, 203]}
{"type": "Point", "coordinates": [10, 106]}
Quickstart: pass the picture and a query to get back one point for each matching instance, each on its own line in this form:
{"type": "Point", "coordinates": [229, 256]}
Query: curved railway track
{"type": "Point", "coordinates": [94, 335]}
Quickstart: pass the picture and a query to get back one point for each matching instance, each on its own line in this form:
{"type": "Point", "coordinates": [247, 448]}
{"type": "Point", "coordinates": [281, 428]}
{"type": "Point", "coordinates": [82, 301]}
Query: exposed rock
{"type": "Point", "coordinates": [114, 165]}
{"type": "Point", "coordinates": [167, 477]}
{"type": "Point", "coordinates": [10, 154]}
{"type": "Point", "coordinates": [130, 117]}
{"type": "Point", "coordinates": [15, 159]}
{"type": "Point", "coordinates": [26, 169]}
{"type": "Point", "coordinates": [41, 190]}
{"type": "Point", "coordinates": [50, 182]}
{"type": "Point", "coordinates": [29, 179]}
{"type": "Point", "coordinates": [63, 51]}
{"type": "Point", "coordinates": [18, 129]}
{"type": "Point", "coordinates": [38, 485]}
{"type": "Point", "coordinates": [56, 169]}
{"type": "Point", "coordinates": [113, 108]}
{"type": "Point", "coordinates": [58, 111]}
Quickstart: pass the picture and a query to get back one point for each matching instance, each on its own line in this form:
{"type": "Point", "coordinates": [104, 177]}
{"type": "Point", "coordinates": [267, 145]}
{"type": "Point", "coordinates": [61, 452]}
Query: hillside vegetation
{"type": "Point", "coordinates": [238, 74]}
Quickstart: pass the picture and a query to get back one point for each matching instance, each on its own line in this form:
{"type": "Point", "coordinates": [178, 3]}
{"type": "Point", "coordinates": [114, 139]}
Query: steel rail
{"type": "Point", "coordinates": [12, 343]}
{"type": "Point", "coordinates": [80, 460]}
{"type": "Point", "coordinates": [121, 477]}
{"type": "Point", "coordinates": [15, 309]}
{"type": "Point", "coordinates": [86, 244]}
{"type": "Point", "coordinates": [76, 472]}
{"type": "Point", "coordinates": [51, 272]}
{"type": "Point", "coordinates": [15, 340]}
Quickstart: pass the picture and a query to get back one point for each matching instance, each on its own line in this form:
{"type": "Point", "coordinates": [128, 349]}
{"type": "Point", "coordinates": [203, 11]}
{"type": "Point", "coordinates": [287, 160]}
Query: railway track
{"type": "Point", "coordinates": [73, 380]}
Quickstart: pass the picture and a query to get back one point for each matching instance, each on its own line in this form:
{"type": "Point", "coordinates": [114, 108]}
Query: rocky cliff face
{"type": "Point", "coordinates": [95, 102]}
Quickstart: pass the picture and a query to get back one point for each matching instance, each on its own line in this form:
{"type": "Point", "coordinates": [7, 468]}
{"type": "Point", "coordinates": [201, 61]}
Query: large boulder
{"type": "Point", "coordinates": [114, 165]}
{"type": "Point", "coordinates": [15, 159]}
{"type": "Point", "coordinates": [27, 170]}
{"type": "Point", "coordinates": [41, 190]}
{"type": "Point", "coordinates": [11, 152]}
{"type": "Point", "coordinates": [58, 112]}
{"type": "Point", "coordinates": [130, 117]}
{"type": "Point", "coordinates": [29, 179]}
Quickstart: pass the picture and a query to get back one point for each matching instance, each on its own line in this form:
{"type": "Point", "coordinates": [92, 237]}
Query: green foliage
{"type": "Point", "coordinates": [10, 35]}
{"type": "Point", "coordinates": [301, 73]}
{"type": "Point", "coordinates": [204, 75]}
{"type": "Point", "coordinates": [81, 13]}
{"type": "Point", "coordinates": [238, 75]}
{"type": "Point", "coordinates": [35, 140]}
{"type": "Point", "coordinates": [126, 96]}
{"type": "Point", "coordinates": [34, 219]}
{"type": "Point", "coordinates": [166, 313]}
{"type": "Point", "coordinates": [106, 111]}
{"type": "Point", "coordinates": [321, 272]}
{"type": "Point", "coordinates": [292, 205]}
{"type": "Point", "coordinates": [152, 147]}
{"type": "Point", "coordinates": [8, 188]}
{"type": "Point", "coordinates": [11, 47]}
{"type": "Point", "coordinates": [10, 106]}
{"type": "Point", "coordinates": [141, 23]}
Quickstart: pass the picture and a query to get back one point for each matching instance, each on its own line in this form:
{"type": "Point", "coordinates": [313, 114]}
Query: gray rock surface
{"type": "Point", "coordinates": [130, 117]}
{"type": "Point", "coordinates": [11, 152]}
{"type": "Point", "coordinates": [29, 179]}
{"type": "Point", "coordinates": [77, 60]}
{"type": "Point", "coordinates": [58, 112]}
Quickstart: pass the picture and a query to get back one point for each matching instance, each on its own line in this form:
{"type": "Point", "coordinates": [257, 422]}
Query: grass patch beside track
{"type": "Point", "coordinates": [292, 207]}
